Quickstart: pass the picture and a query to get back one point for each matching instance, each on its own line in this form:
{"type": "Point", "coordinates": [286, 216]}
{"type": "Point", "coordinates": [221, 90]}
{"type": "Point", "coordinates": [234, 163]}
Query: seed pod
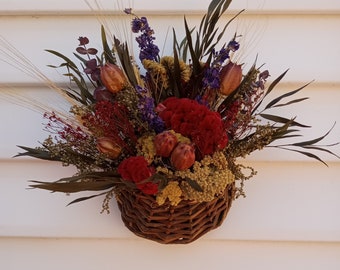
{"type": "Point", "coordinates": [183, 156]}
{"type": "Point", "coordinates": [112, 77]}
{"type": "Point", "coordinates": [230, 78]}
{"type": "Point", "coordinates": [164, 143]}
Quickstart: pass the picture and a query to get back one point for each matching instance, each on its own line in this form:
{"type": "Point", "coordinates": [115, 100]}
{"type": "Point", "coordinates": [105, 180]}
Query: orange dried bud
{"type": "Point", "coordinates": [109, 147]}
{"type": "Point", "coordinates": [230, 78]}
{"type": "Point", "coordinates": [112, 77]}
{"type": "Point", "coordinates": [183, 156]}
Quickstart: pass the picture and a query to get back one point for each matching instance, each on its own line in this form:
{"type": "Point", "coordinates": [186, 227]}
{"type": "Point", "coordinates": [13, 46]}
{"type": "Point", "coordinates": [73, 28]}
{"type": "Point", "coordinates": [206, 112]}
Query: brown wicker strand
{"type": "Point", "coordinates": [169, 224]}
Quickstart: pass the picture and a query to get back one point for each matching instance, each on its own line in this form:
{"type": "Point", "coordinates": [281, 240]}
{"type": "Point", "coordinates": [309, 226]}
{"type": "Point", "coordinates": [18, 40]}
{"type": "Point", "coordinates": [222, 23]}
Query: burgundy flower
{"type": "Point", "coordinates": [195, 121]}
{"type": "Point", "coordinates": [136, 169]}
{"type": "Point", "coordinates": [83, 41]}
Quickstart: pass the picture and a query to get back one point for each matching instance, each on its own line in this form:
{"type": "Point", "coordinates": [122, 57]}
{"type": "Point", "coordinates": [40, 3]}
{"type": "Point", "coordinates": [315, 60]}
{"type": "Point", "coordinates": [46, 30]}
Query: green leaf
{"type": "Point", "coordinates": [125, 60]}
{"type": "Point", "coordinates": [308, 154]}
{"type": "Point", "coordinates": [287, 136]}
{"type": "Point", "coordinates": [107, 51]}
{"type": "Point", "coordinates": [176, 76]}
{"type": "Point", "coordinates": [220, 36]}
{"type": "Point", "coordinates": [275, 82]}
{"type": "Point", "coordinates": [314, 141]}
{"type": "Point", "coordinates": [162, 183]}
{"type": "Point", "coordinates": [74, 95]}
{"type": "Point", "coordinates": [112, 175]}
{"type": "Point", "coordinates": [82, 59]}
{"type": "Point", "coordinates": [318, 148]}
{"type": "Point", "coordinates": [86, 198]}
{"type": "Point", "coordinates": [290, 102]}
{"type": "Point", "coordinates": [280, 119]}
{"type": "Point", "coordinates": [65, 58]}
{"type": "Point", "coordinates": [276, 100]}
{"type": "Point", "coordinates": [72, 187]}
{"type": "Point", "coordinates": [183, 46]}
{"type": "Point", "coordinates": [86, 96]}
{"type": "Point", "coordinates": [270, 88]}
{"type": "Point", "coordinates": [194, 184]}
{"type": "Point", "coordinates": [36, 153]}
{"type": "Point", "coordinates": [194, 57]}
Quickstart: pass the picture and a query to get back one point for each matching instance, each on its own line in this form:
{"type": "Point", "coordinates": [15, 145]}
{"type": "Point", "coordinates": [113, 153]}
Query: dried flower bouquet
{"type": "Point", "coordinates": [165, 138]}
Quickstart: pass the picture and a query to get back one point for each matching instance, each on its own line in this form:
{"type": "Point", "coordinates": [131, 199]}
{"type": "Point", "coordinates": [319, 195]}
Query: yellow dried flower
{"type": "Point", "coordinates": [146, 148]}
{"type": "Point", "coordinates": [164, 170]}
{"type": "Point", "coordinates": [185, 70]}
{"type": "Point", "coordinates": [158, 72]}
{"type": "Point", "coordinates": [172, 192]}
{"type": "Point", "coordinates": [180, 137]}
{"type": "Point", "coordinates": [211, 174]}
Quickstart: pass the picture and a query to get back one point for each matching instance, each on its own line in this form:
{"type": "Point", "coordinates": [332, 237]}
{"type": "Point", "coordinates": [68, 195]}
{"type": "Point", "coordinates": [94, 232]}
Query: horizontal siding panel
{"type": "Point", "coordinates": [164, 6]}
{"type": "Point", "coordinates": [280, 42]}
{"type": "Point", "coordinates": [291, 210]}
{"type": "Point", "coordinates": [107, 254]}
{"type": "Point", "coordinates": [293, 201]}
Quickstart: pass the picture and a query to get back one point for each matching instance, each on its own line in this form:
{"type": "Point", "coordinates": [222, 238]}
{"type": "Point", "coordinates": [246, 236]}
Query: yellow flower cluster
{"type": "Point", "coordinates": [172, 192]}
{"type": "Point", "coordinates": [160, 71]}
{"type": "Point", "coordinates": [211, 174]}
{"type": "Point", "coordinates": [180, 137]}
{"type": "Point", "coordinates": [146, 148]}
{"type": "Point", "coordinates": [185, 70]}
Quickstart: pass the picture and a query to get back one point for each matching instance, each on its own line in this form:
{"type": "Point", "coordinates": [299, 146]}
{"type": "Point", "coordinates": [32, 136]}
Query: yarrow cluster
{"type": "Point", "coordinates": [173, 128]}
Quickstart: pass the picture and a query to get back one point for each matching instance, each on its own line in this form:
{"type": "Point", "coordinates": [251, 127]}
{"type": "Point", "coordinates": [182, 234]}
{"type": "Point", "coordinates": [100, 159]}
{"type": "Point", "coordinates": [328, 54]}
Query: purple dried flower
{"type": "Point", "coordinates": [83, 41]}
{"type": "Point", "coordinates": [146, 108]}
{"type": "Point", "coordinates": [148, 50]}
{"type": "Point", "coordinates": [233, 45]}
{"type": "Point", "coordinates": [102, 94]}
{"type": "Point", "coordinates": [91, 67]}
{"type": "Point", "coordinates": [263, 76]}
{"type": "Point", "coordinates": [211, 75]}
{"type": "Point", "coordinates": [128, 11]}
{"type": "Point", "coordinates": [211, 78]}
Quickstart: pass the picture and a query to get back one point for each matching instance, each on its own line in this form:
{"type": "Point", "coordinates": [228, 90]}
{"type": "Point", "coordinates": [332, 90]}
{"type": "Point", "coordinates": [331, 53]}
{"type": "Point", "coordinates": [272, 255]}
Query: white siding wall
{"type": "Point", "coordinates": [290, 218]}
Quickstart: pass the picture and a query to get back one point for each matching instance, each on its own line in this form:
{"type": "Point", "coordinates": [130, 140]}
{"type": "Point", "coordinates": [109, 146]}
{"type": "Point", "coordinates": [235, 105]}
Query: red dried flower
{"type": "Point", "coordinates": [195, 121]}
{"type": "Point", "coordinates": [136, 169]}
{"type": "Point", "coordinates": [111, 120]}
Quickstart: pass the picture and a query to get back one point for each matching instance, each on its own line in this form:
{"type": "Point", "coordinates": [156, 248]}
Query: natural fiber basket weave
{"type": "Point", "coordinates": [168, 224]}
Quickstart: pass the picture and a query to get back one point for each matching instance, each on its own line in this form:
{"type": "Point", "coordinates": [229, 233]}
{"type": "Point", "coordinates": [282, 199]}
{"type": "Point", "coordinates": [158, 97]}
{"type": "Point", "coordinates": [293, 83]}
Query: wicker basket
{"type": "Point", "coordinates": [168, 224]}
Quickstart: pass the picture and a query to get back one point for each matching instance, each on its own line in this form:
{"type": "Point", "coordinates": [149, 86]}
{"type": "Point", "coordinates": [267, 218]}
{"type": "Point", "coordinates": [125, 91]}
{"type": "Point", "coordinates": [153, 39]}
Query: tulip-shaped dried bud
{"type": "Point", "coordinates": [164, 143]}
{"type": "Point", "coordinates": [109, 147]}
{"type": "Point", "coordinates": [183, 156]}
{"type": "Point", "coordinates": [112, 77]}
{"type": "Point", "coordinates": [230, 78]}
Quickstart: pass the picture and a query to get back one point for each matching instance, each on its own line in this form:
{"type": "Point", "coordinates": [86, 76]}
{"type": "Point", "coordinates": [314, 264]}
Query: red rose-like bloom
{"type": "Point", "coordinates": [136, 169]}
{"type": "Point", "coordinates": [148, 188]}
{"type": "Point", "coordinates": [196, 121]}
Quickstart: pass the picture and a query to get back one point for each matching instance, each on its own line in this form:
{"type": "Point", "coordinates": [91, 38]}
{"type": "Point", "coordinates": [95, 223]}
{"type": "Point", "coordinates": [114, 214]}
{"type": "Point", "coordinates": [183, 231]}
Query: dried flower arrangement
{"type": "Point", "coordinates": [166, 141]}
